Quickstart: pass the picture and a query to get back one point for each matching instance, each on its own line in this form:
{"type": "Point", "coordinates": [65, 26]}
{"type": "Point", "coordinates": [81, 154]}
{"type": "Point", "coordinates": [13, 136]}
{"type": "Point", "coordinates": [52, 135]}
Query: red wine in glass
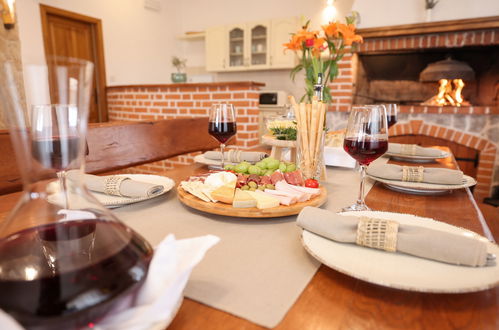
{"type": "Point", "coordinates": [55, 152]}
{"type": "Point", "coordinates": [392, 120]}
{"type": "Point", "coordinates": [222, 131]}
{"type": "Point", "coordinates": [65, 289]}
{"type": "Point", "coordinates": [366, 150]}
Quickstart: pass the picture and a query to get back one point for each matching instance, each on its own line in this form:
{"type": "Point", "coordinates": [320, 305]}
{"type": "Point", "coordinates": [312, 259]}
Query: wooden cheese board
{"type": "Point", "coordinates": [251, 212]}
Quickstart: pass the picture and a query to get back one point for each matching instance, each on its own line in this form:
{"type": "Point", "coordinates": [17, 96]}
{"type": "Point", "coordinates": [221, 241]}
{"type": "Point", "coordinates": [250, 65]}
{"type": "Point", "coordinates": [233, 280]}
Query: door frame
{"type": "Point", "coordinates": [98, 45]}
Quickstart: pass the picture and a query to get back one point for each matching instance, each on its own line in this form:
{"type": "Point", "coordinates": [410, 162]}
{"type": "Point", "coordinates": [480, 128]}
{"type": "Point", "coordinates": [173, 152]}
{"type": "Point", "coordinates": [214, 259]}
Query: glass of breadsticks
{"type": "Point", "coordinates": [310, 125]}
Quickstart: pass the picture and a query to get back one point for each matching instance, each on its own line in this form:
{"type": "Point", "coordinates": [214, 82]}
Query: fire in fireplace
{"type": "Point", "coordinates": [450, 75]}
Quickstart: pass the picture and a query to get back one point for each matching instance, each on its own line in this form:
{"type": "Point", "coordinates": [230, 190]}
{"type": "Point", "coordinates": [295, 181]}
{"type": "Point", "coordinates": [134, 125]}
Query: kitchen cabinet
{"type": "Point", "coordinates": [250, 46]}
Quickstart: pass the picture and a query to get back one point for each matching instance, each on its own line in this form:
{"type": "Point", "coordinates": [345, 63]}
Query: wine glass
{"type": "Point", "coordinates": [222, 125]}
{"type": "Point", "coordinates": [366, 139]}
{"type": "Point", "coordinates": [391, 113]}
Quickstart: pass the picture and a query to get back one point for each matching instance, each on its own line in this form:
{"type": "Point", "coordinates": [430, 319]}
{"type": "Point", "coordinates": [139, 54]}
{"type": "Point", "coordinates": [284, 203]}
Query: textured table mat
{"type": "Point", "coordinates": [259, 268]}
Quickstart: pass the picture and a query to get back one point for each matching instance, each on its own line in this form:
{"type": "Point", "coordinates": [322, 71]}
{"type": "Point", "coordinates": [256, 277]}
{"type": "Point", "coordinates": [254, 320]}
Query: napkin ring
{"type": "Point", "coordinates": [408, 149]}
{"type": "Point", "coordinates": [412, 173]}
{"type": "Point", "coordinates": [112, 185]}
{"type": "Point", "coordinates": [377, 233]}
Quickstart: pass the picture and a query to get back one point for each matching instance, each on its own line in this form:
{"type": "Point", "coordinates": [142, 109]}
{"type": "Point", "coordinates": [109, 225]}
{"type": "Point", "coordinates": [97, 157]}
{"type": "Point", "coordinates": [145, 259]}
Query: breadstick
{"type": "Point", "coordinates": [313, 131]}
{"type": "Point", "coordinates": [320, 130]}
{"type": "Point", "coordinates": [304, 136]}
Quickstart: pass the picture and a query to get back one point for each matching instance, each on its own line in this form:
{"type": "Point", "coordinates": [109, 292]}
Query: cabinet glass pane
{"type": "Point", "coordinates": [259, 45]}
{"type": "Point", "coordinates": [236, 47]}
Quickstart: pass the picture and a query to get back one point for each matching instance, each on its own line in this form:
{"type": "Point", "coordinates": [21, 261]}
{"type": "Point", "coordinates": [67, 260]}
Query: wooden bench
{"type": "Point", "coordinates": [116, 145]}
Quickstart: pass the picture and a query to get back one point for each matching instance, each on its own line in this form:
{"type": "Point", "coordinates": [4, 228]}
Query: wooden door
{"type": "Point", "coordinates": [73, 35]}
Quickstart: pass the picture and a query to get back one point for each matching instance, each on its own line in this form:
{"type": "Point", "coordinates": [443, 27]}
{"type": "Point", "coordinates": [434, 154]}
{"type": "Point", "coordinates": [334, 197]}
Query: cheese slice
{"type": "Point", "coordinates": [194, 188]}
{"type": "Point", "coordinates": [225, 193]}
{"type": "Point", "coordinates": [263, 200]}
{"type": "Point", "coordinates": [242, 199]}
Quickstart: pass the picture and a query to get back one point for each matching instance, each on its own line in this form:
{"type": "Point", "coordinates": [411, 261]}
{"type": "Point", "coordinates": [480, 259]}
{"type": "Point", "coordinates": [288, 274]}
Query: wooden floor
{"type": "Point", "coordinates": [491, 215]}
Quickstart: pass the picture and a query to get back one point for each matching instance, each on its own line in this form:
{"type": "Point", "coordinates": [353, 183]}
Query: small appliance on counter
{"type": "Point", "coordinates": [272, 103]}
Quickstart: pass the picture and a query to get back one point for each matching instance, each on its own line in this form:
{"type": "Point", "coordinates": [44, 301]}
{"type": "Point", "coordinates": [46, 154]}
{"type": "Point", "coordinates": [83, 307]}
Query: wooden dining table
{"type": "Point", "coordinates": [333, 300]}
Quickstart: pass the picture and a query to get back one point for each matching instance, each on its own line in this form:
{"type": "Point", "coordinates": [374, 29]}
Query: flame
{"type": "Point", "coordinates": [449, 93]}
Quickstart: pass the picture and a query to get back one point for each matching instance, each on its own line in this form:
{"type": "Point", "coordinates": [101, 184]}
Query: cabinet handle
{"type": "Point", "coordinates": [270, 60]}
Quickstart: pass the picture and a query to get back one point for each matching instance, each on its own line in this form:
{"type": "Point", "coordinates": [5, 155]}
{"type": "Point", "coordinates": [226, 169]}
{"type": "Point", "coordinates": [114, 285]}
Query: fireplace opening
{"type": "Point", "coordinates": [395, 77]}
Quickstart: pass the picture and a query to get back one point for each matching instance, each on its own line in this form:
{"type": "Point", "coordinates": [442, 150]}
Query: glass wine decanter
{"type": "Point", "coordinates": [65, 260]}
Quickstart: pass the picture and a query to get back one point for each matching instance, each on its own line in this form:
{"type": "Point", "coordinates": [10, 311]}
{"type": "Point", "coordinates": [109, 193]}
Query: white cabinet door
{"type": "Point", "coordinates": [258, 45]}
{"type": "Point", "coordinates": [281, 30]}
{"type": "Point", "coordinates": [216, 49]}
{"type": "Point", "coordinates": [236, 45]}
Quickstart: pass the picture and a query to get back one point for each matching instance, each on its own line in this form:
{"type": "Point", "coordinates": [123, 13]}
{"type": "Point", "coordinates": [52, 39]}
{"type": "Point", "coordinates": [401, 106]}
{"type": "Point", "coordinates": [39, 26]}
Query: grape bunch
{"type": "Point", "coordinates": [266, 166]}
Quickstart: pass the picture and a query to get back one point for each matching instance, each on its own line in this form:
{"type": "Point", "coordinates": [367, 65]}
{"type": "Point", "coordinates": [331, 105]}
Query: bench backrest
{"type": "Point", "coordinates": [117, 145]}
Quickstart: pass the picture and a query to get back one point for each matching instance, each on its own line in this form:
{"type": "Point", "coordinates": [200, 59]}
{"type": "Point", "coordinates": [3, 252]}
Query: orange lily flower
{"type": "Point", "coordinates": [348, 34]}
{"type": "Point", "coordinates": [331, 30]}
{"type": "Point", "coordinates": [318, 46]}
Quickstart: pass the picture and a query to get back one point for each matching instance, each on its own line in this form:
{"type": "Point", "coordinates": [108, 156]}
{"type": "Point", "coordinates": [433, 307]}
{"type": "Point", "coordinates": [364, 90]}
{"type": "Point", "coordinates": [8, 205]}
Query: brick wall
{"type": "Point", "coordinates": [155, 102]}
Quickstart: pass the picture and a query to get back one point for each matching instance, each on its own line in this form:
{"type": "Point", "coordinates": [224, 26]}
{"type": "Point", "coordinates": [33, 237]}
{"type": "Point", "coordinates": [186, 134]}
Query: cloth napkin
{"type": "Point", "coordinates": [121, 186]}
{"type": "Point", "coordinates": [413, 149]}
{"type": "Point", "coordinates": [414, 240]}
{"type": "Point", "coordinates": [236, 156]}
{"type": "Point", "coordinates": [428, 174]}
{"type": "Point", "coordinates": [158, 299]}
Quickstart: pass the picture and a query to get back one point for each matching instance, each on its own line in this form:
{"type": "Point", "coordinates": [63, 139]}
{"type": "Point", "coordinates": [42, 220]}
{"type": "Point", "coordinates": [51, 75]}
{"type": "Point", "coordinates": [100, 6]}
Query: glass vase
{"type": "Point", "coordinates": [64, 258]}
{"type": "Point", "coordinates": [311, 159]}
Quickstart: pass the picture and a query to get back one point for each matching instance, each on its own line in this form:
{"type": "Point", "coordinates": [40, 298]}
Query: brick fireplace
{"type": "Point", "coordinates": [474, 127]}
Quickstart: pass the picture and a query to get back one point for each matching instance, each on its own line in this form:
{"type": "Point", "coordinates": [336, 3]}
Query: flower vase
{"type": "Point", "coordinates": [310, 160]}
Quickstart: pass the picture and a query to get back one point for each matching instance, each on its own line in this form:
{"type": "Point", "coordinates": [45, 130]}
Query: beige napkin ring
{"type": "Point", "coordinates": [413, 173]}
{"type": "Point", "coordinates": [408, 149]}
{"type": "Point", "coordinates": [112, 185]}
{"type": "Point", "coordinates": [377, 233]}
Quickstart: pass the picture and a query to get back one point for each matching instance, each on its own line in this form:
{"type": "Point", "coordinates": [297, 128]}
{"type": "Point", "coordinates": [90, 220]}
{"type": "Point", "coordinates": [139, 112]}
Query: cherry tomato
{"type": "Point", "coordinates": [311, 183]}
{"type": "Point", "coordinates": [231, 171]}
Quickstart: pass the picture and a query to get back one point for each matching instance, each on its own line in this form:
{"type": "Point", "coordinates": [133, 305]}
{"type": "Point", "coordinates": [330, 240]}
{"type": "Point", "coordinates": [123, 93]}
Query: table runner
{"type": "Point", "coordinates": [259, 268]}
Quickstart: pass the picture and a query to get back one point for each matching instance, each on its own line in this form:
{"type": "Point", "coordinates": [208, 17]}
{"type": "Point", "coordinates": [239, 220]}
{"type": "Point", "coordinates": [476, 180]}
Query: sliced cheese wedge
{"type": "Point", "coordinates": [225, 193]}
{"type": "Point", "coordinates": [195, 188]}
{"type": "Point", "coordinates": [243, 200]}
{"type": "Point", "coordinates": [263, 200]}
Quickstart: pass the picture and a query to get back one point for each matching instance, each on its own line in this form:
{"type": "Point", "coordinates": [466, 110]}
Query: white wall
{"type": "Point", "coordinates": [139, 43]}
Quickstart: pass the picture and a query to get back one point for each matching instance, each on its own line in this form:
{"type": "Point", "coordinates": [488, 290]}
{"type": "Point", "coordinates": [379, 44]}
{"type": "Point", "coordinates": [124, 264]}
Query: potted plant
{"type": "Point", "coordinates": [179, 64]}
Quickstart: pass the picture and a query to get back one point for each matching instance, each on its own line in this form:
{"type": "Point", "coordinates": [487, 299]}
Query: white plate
{"type": "Point", "coordinates": [417, 159]}
{"type": "Point", "coordinates": [210, 162]}
{"type": "Point", "coordinates": [116, 201]}
{"type": "Point", "coordinates": [423, 188]}
{"type": "Point", "coordinates": [403, 271]}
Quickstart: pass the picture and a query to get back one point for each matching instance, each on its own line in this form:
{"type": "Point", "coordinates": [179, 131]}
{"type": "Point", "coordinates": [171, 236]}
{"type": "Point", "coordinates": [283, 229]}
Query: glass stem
{"type": "Point", "coordinates": [222, 149]}
{"type": "Point", "coordinates": [62, 175]}
{"type": "Point", "coordinates": [360, 200]}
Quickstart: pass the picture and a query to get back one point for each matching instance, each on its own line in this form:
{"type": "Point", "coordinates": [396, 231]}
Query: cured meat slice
{"type": "Point", "coordinates": [286, 187]}
{"type": "Point", "coordinates": [284, 197]}
{"type": "Point", "coordinates": [295, 178]}
{"type": "Point", "coordinates": [276, 177]}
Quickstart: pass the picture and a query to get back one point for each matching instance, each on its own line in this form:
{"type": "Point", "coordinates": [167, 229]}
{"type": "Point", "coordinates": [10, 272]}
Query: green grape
{"type": "Point", "coordinates": [229, 167]}
{"type": "Point", "coordinates": [241, 168]}
{"type": "Point", "coordinates": [269, 172]}
{"type": "Point", "coordinates": [291, 167]}
{"type": "Point", "coordinates": [261, 165]}
{"type": "Point", "coordinates": [273, 164]}
{"type": "Point", "coordinates": [254, 170]}
{"type": "Point", "coordinates": [282, 167]}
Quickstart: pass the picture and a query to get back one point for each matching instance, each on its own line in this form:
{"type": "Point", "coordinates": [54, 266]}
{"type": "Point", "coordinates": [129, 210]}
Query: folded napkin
{"type": "Point", "coordinates": [121, 186]}
{"type": "Point", "coordinates": [415, 173]}
{"type": "Point", "coordinates": [236, 156]}
{"type": "Point", "coordinates": [157, 301]}
{"type": "Point", "coordinates": [391, 236]}
{"type": "Point", "coordinates": [413, 150]}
